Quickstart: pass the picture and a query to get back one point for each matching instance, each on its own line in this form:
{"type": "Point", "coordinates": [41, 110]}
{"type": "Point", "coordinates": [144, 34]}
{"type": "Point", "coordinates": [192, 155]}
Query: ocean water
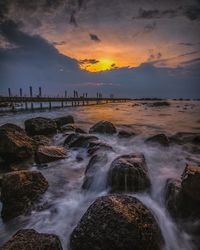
{"type": "Point", "coordinates": [65, 201]}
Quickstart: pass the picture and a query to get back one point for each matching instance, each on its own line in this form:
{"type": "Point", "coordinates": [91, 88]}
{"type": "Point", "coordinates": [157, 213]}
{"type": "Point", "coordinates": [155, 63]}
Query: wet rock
{"type": "Point", "coordinates": [41, 140]}
{"type": "Point", "coordinates": [19, 191]}
{"type": "Point", "coordinates": [103, 127]}
{"type": "Point", "coordinates": [182, 196]}
{"type": "Point", "coordinates": [97, 146]}
{"type": "Point", "coordinates": [159, 138]}
{"type": "Point", "coordinates": [75, 140]}
{"type": "Point", "coordinates": [160, 104]}
{"type": "Point", "coordinates": [125, 134]}
{"type": "Point", "coordinates": [60, 121]}
{"type": "Point", "coordinates": [73, 128]}
{"type": "Point", "coordinates": [128, 173]}
{"type": "Point", "coordinates": [96, 162]}
{"type": "Point", "coordinates": [117, 222]}
{"type": "Point", "coordinates": [30, 239]}
{"type": "Point", "coordinates": [46, 154]}
{"type": "Point", "coordinates": [15, 145]}
{"type": "Point", "coordinates": [185, 137]}
{"type": "Point", "coordinates": [40, 126]}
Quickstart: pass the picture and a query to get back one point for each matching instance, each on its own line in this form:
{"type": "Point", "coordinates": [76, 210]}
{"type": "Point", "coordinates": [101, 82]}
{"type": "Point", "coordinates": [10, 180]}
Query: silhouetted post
{"type": "Point", "coordinates": [86, 98]}
{"type": "Point", "coordinates": [49, 105]}
{"type": "Point", "coordinates": [83, 99]}
{"type": "Point", "coordinates": [31, 95]}
{"type": "Point", "coordinates": [40, 95]}
{"type": "Point", "coordinates": [20, 92]}
{"type": "Point", "coordinates": [9, 92]}
{"type": "Point", "coordinates": [77, 97]}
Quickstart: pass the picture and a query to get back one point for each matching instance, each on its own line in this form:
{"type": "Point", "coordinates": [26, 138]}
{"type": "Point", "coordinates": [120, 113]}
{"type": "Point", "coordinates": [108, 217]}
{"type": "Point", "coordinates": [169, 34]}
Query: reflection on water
{"type": "Point", "coordinates": [64, 201]}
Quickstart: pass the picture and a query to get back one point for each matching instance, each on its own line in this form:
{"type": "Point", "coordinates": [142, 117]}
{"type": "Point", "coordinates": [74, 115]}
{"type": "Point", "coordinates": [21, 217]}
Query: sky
{"type": "Point", "coordinates": [129, 48]}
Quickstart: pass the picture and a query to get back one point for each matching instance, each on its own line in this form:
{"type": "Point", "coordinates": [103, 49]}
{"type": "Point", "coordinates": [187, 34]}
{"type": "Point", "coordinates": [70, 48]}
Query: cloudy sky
{"type": "Point", "coordinates": [143, 48]}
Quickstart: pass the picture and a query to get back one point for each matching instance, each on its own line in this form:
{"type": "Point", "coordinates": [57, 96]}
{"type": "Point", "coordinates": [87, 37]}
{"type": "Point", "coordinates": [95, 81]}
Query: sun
{"type": "Point", "coordinates": [99, 65]}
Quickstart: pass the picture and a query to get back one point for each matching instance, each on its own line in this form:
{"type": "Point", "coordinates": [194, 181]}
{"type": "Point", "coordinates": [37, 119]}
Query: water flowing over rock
{"type": "Point", "coordinates": [128, 173]}
{"type": "Point", "coordinates": [103, 127]}
{"type": "Point", "coordinates": [40, 126]}
{"type": "Point", "coordinates": [19, 191]}
{"type": "Point", "coordinates": [159, 138]}
{"type": "Point", "coordinates": [116, 222]}
{"type": "Point", "coordinates": [75, 140]}
{"type": "Point", "coordinates": [60, 121]}
{"type": "Point", "coordinates": [46, 154]}
{"type": "Point", "coordinates": [96, 162]}
{"type": "Point", "coordinates": [15, 145]}
{"type": "Point", "coordinates": [182, 196]}
{"type": "Point", "coordinates": [29, 239]}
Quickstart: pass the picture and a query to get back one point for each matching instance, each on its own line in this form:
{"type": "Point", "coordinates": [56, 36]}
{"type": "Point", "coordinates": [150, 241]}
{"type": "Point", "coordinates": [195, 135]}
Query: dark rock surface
{"type": "Point", "coordinates": [103, 127]}
{"type": "Point", "coordinates": [60, 121]}
{"type": "Point", "coordinates": [15, 145]}
{"type": "Point", "coordinates": [40, 126]}
{"type": "Point", "coordinates": [19, 190]}
{"type": "Point", "coordinates": [75, 140]}
{"type": "Point", "coordinates": [41, 140]}
{"type": "Point", "coordinates": [126, 133]}
{"type": "Point", "coordinates": [117, 222]}
{"type": "Point", "coordinates": [159, 138]}
{"type": "Point", "coordinates": [46, 154]}
{"type": "Point", "coordinates": [98, 146]}
{"type": "Point", "coordinates": [29, 239]}
{"type": "Point", "coordinates": [128, 173]}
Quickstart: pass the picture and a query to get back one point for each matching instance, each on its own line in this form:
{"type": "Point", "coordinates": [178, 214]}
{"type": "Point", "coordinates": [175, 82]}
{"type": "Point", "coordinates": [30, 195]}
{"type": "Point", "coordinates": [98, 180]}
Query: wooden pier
{"type": "Point", "coordinates": [15, 103]}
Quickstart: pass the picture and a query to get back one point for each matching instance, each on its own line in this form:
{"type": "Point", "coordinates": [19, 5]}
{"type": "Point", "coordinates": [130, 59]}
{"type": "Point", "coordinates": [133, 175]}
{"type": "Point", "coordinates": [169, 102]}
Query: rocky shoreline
{"type": "Point", "coordinates": [116, 221]}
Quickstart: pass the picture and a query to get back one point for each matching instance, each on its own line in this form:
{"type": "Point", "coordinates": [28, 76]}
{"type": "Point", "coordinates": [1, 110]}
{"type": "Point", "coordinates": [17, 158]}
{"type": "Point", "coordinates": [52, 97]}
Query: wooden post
{"type": "Point", "coordinates": [20, 92]}
{"type": "Point", "coordinates": [9, 92]}
{"type": "Point", "coordinates": [49, 105]}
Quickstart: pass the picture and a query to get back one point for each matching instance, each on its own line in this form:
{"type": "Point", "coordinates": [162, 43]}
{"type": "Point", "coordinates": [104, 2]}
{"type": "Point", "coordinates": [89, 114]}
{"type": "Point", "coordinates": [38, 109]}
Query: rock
{"type": "Point", "coordinates": [160, 104]}
{"type": "Point", "coordinates": [96, 146]}
{"type": "Point", "coordinates": [128, 173]}
{"type": "Point", "coordinates": [15, 145]}
{"type": "Point", "coordinates": [46, 154]}
{"type": "Point", "coordinates": [182, 196]}
{"type": "Point", "coordinates": [41, 140]}
{"type": "Point", "coordinates": [125, 134]}
{"type": "Point", "coordinates": [60, 121]}
{"type": "Point", "coordinates": [19, 191]}
{"type": "Point", "coordinates": [40, 126]}
{"type": "Point", "coordinates": [159, 138]}
{"type": "Point", "coordinates": [79, 140]}
{"type": "Point", "coordinates": [30, 239]}
{"type": "Point", "coordinates": [96, 162]}
{"type": "Point", "coordinates": [74, 128]}
{"type": "Point", "coordinates": [103, 127]}
{"type": "Point", "coordinates": [185, 137]}
{"type": "Point", "coordinates": [116, 222]}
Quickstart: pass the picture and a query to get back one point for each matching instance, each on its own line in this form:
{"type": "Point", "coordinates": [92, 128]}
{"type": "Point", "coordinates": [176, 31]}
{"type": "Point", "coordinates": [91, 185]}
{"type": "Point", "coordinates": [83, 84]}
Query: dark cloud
{"type": "Point", "coordinates": [192, 13]}
{"type": "Point", "coordinates": [156, 14]}
{"type": "Point", "coordinates": [73, 19]}
{"type": "Point", "coordinates": [149, 27]}
{"type": "Point", "coordinates": [187, 44]}
{"type": "Point", "coordinates": [94, 38]}
{"type": "Point", "coordinates": [90, 61]}
{"type": "Point", "coordinates": [154, 57]}
{"type": "Point", "coordinates": [59, 43]}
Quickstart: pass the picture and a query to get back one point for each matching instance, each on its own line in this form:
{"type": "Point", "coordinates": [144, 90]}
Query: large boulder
{"type": "Point", "coordinates": [40, 126]}
{"type": "Point", "coordinates": [186, 137]}
{"type": "Point", "coordinates": [103, 127]}
{"type": "Point", "coordinates": [117, 222]}
{"type": "Point", "coordinates": [128, 173]}
{"type": "Point", "coordinates": [15, 145]}
{"type": "Point", "coordinates": [72, 128]}
{"type": "Point", "coordinates": [159, 138]}
{"type": "Point", "coordinates": [182, 196]}
{"type": "Point", "coordinates": [32, 240]}
{"type": "Point", "coordinates": [19, 190]}
{"type": "Point", "coordinates": [60, 121]}
{"type": "Point", "coordinates": [96, 162]}
{"type": "Point", "coordinates": [46, 154]}
{"type": "Point", "coordinates": [75, 140]}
